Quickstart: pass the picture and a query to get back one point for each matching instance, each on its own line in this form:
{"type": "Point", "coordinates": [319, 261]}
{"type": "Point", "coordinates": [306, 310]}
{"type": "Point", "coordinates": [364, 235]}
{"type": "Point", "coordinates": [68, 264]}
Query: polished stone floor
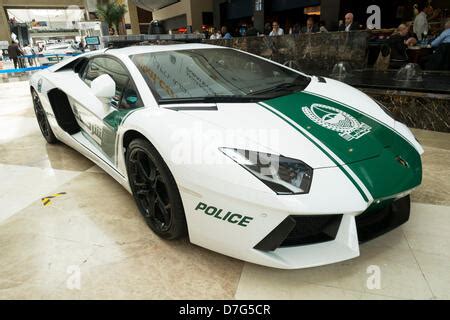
{"type": "Point", "coordinates": [91, 242]}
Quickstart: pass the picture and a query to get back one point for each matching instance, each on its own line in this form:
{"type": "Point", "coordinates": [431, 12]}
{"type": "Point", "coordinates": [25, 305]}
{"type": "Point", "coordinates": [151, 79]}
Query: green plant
{"type": "Point", "coordinates": [112, 13]}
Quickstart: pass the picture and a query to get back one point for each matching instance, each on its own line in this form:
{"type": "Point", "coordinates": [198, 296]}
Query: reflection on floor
{"type": "Point", "coordinates": [95, 231]}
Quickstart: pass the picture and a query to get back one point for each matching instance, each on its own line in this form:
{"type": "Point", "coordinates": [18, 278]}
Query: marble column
{"type": "Point", "coordinates": [4, 27]}
{"type": "Point", "coordinates": [258, 15]}
{"type": "Point", "coordinates": [329, 12]}
{"type": "Point", "coordinates": [134, 19]}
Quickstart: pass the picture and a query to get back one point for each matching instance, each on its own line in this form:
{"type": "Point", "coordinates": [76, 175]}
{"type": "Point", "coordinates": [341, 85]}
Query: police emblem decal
{"type": "Point", "coordinates": [337, 120]}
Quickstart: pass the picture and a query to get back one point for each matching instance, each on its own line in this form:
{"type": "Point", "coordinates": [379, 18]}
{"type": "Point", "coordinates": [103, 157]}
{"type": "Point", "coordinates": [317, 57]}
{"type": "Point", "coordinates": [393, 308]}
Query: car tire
{"type": "Point", "coordinates": [42, 120]}
{"type": "Point", "coordinates": [155, 190]}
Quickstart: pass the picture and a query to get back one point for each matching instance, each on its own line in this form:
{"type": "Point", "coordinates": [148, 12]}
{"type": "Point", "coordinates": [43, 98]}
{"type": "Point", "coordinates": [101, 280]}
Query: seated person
{"type": "Point", "coordinates": [399, 43]}
{"type": "Point", "coordinates": [276, 30]}
{"type": "Point", "coordinates": [251, 31]}
{"type": "Point", "coordinates": [310, 26]}
{"type": "Point", "coordinates": [444, 37]}
{"type": "Point", "coordinates": [225, 34]}
{"type": "Point", "coordinates": [349, 25]}
{"type": "Point", "coordinates": [440, 59]}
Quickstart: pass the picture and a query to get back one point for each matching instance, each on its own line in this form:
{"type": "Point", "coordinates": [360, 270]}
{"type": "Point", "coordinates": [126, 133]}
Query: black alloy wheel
{"type": "Point", "coordinates": [155, 191]}
{"type": "Point", "coordinates": [42, 120]}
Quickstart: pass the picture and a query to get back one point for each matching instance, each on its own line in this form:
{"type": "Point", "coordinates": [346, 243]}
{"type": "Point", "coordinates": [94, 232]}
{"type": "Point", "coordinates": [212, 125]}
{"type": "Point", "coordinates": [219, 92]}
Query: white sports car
{"type": "Point", "coordinates": [57, 52]}
{"type": "Point", "coordinates": [244, 155]}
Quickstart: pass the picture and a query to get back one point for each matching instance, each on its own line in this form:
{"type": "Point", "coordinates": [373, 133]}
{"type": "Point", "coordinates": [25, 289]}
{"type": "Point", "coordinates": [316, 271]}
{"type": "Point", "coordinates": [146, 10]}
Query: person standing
{"type": "Point", "coordinates": [28, 51]}
{"type": "Point", "coordinates": [82, 46]}
{"type": "Point", "coordinates": [14, 52]}
{"type": "Point", "coordinates": [1, 64]}
{"type": "Point", "coordinates": [276, 30]}
{"type": "Point", "coordinates": [420, 26]}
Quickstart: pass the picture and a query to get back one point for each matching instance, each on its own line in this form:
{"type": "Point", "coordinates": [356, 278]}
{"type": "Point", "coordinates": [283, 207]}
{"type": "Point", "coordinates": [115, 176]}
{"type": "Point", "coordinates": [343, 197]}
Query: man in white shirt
{"type": "Point", "coordinates": [276, 30]}
{"type": "Point", "coordinates": [28, 51]}
{"type": "Point", "coordinates": [420, 26]}
{"type": "Point", "coordinates": [215, 35]}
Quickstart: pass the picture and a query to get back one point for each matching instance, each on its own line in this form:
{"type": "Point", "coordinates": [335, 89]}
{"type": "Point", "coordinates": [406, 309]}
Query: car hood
{"type": "Point", "coordinates": [329, 124]}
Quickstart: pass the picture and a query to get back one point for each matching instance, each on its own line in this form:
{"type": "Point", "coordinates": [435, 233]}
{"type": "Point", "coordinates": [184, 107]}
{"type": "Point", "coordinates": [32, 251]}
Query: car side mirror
{"type": "Point", "coordinates": [103, 86]}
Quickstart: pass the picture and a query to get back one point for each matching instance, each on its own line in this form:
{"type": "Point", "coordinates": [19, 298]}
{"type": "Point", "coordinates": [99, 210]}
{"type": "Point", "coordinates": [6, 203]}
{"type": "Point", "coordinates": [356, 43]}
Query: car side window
{"type": "Point", "coordinates": [91, 72]}
{"type": "Point", "coordinates": [104, 65]}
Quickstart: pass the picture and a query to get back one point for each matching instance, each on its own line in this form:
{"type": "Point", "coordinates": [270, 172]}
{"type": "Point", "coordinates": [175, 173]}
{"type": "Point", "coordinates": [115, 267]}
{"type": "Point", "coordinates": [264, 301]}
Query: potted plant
{"type": "Point", "coordinates": [112, 14]}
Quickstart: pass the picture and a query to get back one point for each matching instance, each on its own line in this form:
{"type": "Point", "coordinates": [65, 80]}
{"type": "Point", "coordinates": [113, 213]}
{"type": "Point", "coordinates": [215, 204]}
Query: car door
{"type": "Point", "coordinates": [101, 127]}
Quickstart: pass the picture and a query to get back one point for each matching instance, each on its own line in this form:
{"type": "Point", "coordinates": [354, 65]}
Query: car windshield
{"type": "Point", "coordinates": [214, 75]}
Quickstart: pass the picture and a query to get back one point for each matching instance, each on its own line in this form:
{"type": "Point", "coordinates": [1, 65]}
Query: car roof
{"type": "Point", "coordinates": [127, 51]}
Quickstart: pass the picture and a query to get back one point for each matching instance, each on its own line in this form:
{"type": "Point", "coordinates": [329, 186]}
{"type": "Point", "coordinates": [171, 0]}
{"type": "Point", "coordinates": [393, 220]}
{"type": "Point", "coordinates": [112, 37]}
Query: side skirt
{"type": "Point", "coordinates": [79, 143]}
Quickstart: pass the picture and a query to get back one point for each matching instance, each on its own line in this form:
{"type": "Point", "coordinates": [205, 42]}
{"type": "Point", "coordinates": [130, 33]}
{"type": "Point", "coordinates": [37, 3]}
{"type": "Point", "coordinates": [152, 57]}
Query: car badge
{"type": "Point", "coordinates": [336, 120]}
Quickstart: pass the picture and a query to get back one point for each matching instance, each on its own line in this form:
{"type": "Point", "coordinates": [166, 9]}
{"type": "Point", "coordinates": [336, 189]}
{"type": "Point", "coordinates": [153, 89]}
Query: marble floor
{"type": "Point", "coordinates": [91, 243]}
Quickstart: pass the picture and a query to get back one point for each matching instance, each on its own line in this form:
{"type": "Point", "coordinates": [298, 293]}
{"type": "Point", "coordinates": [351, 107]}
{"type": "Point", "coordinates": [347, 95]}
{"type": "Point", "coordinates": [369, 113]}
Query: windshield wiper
{"type": "Point", "coordinates": [284, 86]}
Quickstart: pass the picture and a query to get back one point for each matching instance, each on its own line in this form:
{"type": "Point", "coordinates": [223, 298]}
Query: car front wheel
{"type": "Point", "coordinates": [155, 191]}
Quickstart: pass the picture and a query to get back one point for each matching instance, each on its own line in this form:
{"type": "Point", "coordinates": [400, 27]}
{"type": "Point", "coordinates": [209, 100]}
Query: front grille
{"type": "Point", "coordinates": [378, 219]}
{"type": "Point", "coordinates": [313, 229]}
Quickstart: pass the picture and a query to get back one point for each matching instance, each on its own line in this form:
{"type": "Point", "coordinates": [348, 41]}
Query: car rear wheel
{"type": "Point", "coordinates": [155, 191]}
{"type": "Point", "coordinates": [42, 120]}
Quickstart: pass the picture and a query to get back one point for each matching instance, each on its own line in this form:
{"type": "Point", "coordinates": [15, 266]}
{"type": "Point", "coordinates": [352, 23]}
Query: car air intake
{"type": "Point", "coordinates": [383, 217]}
{"type": "Point", "coordinates": [301, 230]}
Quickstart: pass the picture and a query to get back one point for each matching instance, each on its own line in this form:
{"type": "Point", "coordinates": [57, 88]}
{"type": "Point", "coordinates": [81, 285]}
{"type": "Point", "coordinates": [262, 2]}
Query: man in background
{"type": "Point", "coordinates": [28, 51]}
{"type": "Point", "coordinates": [350, 24]}
{"type": "Point", "coordinates": [215, 35]}
{"type": "Point", "coordinates": [14, 52]}
{"type": "Point", "coordinates": [444, 37]}
{"type": "Point", "coordinates": [225, 34]}
{"type": "Point", "coordinates": [251, 31]}
{"type": "Point", "coordinates": [82, 46]}
{"type": "Point", "coordinates": [440, 59]}
{"type": "Point", "coordinates": [276, 30]}
{"type": "Point", "coordinates": [420, 26]}
{"type": "Point", "coordinates": [310, 27]}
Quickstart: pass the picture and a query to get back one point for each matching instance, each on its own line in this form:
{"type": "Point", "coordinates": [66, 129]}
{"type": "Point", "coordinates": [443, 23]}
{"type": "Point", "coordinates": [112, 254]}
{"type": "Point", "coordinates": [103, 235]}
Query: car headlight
{"type": "Point", "coordinates": [281, 174]}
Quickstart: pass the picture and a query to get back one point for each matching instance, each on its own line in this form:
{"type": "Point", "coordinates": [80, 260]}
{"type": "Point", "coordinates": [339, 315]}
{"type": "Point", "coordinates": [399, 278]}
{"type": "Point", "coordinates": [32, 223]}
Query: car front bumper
{"type": "Point", "coordinates": [297, 240]}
